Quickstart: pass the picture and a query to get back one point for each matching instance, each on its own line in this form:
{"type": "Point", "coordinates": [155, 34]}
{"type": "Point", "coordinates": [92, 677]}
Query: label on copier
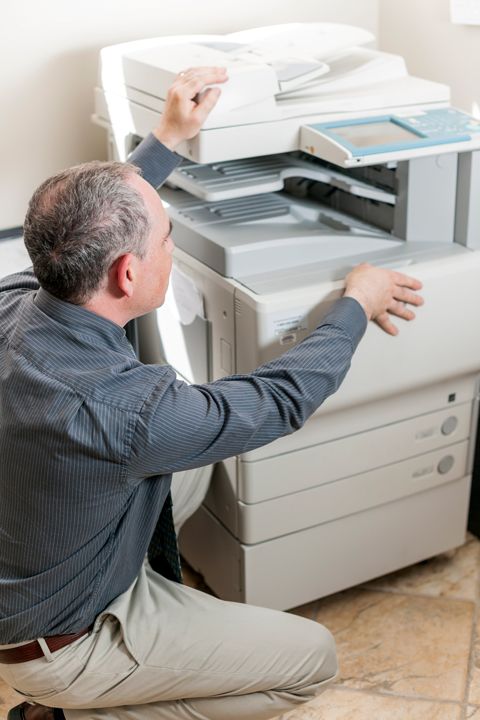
{"type": "Point", "coordinates": [290, 325]}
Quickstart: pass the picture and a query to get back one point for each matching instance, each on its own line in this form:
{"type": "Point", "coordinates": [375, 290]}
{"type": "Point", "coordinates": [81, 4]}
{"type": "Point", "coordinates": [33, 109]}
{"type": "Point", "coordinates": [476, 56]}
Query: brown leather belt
{"type": "Point", "coordinates": [33, 650]}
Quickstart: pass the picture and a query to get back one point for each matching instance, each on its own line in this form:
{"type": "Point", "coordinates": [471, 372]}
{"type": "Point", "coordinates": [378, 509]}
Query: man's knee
{"type": "Point", "coordinates": [316, 662]}
{"type": "Point", "coordinates": [327, 665]}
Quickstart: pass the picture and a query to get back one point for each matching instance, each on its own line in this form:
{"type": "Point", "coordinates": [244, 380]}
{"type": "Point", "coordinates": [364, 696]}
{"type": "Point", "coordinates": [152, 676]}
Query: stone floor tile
{"type": "Point", "coordinates": [401, 644]}
{"type": "Point", "coordinates": [474, 691]}
{"type": "Point", "coordinates": [8, 698]}
{"type": "Point", "coordinates": [308, 611]}
{"type": "Point", "coordinates": [454, 574]}
{"type": "Point", "coordinates": [340, 704]}
{"type": "Point", "coordinates": [473, 713]}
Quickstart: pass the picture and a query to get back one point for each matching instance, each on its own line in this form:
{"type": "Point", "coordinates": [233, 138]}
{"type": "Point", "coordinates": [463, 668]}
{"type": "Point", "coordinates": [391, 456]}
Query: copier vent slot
{"type": "Point", "coordinates": [238, 307]}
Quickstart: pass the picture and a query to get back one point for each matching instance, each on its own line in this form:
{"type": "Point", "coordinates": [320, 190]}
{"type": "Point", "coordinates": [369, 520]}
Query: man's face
{"type": "Point", "coordinates": [156, 266]}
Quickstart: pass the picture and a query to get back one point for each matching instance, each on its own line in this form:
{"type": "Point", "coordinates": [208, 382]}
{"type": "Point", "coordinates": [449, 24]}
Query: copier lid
{"type": "Point", "coordinates": [262, 63]}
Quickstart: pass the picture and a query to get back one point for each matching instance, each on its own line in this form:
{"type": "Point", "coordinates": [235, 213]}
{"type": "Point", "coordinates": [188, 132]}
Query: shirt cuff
{"type": "Point", "coordinates": [348, 314]}
{"type": "Point", "coordinates": [154, 160]}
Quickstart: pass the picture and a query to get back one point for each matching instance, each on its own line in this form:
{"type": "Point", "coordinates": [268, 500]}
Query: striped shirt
{"type": "Point", "coordinates": [89, 438]}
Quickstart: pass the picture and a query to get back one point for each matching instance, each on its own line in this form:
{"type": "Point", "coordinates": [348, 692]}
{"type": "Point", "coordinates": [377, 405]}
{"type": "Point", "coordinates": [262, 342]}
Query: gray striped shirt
{"type": "Point", "coordinates": [89, 438]}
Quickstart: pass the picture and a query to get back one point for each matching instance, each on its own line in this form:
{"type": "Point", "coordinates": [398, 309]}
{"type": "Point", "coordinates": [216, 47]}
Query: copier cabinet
{"type": "Point", "coordinates": [320, 560]}
{"type": "Point", "coordinates": [357, 506]}
{"type": "Point", "coordinates": [379, 476]}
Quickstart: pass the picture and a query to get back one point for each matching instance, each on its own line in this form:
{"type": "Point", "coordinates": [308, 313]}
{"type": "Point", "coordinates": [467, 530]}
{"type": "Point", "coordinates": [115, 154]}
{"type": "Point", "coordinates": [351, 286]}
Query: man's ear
{"type": "Point", "coordinates": [124, 274]}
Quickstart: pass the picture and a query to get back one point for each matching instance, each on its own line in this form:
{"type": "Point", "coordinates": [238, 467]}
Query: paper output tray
{"type": "Point", "coordinates": [253, 176]}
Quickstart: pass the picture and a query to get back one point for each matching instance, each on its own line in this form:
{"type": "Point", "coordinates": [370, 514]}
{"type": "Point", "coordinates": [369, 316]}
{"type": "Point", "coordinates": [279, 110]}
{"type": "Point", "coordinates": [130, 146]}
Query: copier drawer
{"type": "Point", "coordinates": [291, 513]}
{"type": "Point", "coordinates": [320, 464]}
{"type": "Point", "coordinates": [291, 570]}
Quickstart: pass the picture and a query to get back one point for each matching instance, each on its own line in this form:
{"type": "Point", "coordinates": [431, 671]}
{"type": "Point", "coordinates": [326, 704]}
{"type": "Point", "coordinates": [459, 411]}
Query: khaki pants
{"type": "Point", "coordinates": [163, 650]}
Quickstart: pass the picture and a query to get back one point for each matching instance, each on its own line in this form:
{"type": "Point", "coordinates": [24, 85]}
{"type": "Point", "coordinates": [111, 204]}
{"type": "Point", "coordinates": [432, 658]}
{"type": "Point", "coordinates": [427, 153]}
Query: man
{"type": "Point", "coordinates": [89, 438]}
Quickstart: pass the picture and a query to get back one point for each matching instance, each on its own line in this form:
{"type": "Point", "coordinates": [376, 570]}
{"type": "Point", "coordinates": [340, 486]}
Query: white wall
{"type": "Point", "coordinates": [433, 47]}
{"type": "Point", "coordinates": [48, 59]}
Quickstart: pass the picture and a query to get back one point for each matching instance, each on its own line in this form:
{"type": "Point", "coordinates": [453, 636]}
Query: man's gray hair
{"type": "Point", "coordinates": [79, 222]}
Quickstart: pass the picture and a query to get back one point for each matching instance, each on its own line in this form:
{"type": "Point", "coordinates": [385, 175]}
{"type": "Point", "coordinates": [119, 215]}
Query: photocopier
{"type": "Point", "coordinates": [321, 153]}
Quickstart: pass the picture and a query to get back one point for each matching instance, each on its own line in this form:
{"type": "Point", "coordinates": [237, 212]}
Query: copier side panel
{"type": "Point", "coordinates": [195, 329]}
{"type": "Point", "coordinates": [218, 299]}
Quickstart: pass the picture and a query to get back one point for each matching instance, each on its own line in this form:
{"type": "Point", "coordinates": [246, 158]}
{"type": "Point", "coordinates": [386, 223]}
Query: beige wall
{"type": "Point", "coordinates": [48, 58]}
{"type": "Point", "coordinates": [433, 47]}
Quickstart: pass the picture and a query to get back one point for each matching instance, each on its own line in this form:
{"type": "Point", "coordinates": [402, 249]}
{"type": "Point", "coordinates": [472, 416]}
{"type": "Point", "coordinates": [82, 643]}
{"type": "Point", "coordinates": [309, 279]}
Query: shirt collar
{"type": "Point", "coordinates": [79, 319]}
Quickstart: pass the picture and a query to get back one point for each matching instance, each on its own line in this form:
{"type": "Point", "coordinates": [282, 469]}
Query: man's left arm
{"type": "Point", "coordinates": [187, 106]}
{"type": "Point", "coordinates": [155, 160]}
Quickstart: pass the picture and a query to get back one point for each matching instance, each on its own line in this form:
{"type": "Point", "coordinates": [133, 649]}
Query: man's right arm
{"type": "Point", "coordinates": [184, 426]}
{"type": "Point", "coordinates": [383, 293]}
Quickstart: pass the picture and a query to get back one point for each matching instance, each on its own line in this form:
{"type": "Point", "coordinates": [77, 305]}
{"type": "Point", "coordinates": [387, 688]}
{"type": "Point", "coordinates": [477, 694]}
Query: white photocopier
{"type": "Point", "coordinates": [322, 153]}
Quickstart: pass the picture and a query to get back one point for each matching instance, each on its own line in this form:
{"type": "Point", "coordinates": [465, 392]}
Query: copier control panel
{"type": "Point", "coordinates": [384, 137]}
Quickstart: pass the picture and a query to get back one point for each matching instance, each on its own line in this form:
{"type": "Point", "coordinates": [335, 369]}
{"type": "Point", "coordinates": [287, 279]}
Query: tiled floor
{"type": "Point", "coordinates": [408, 644]}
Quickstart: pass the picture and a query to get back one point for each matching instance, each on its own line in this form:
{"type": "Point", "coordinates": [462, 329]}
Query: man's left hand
{"type": "Point", "coordinates": [188, 104]}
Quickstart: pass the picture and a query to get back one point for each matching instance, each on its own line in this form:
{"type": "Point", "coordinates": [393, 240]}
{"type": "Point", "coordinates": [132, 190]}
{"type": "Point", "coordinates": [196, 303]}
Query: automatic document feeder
{"type": "Point", "coordinates": [379, 477]}
{"type": "Point", "coordinates": [283, 80]}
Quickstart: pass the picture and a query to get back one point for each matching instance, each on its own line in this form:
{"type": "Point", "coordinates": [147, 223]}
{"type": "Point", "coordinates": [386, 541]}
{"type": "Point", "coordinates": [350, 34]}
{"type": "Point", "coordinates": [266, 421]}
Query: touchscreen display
{"type": "Point", "coordinates": [375, 133]}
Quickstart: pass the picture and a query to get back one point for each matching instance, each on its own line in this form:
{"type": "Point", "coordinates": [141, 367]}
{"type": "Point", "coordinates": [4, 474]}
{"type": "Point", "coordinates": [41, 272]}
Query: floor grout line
{"type": "Point", "coordinates": [401, 696]}
{"type": "Point", "coordinates": [427, 596]}
{"type": "Point", "coordinates": [473, 638]}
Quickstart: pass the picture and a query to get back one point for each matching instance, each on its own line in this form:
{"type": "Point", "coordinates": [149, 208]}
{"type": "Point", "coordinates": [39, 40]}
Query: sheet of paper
{"type": "Point", "coordinates": [183, 299]}
{"type": "Point", "coordinates": [465, 12]}
{"type": "Point", "coordinates": [13, 256]}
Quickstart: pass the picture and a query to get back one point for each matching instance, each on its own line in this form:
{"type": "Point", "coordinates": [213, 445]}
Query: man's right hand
{"type": "Point", "coordinates": [382, 293]}
{"type": "Point", "coordinates": [188, 104]}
